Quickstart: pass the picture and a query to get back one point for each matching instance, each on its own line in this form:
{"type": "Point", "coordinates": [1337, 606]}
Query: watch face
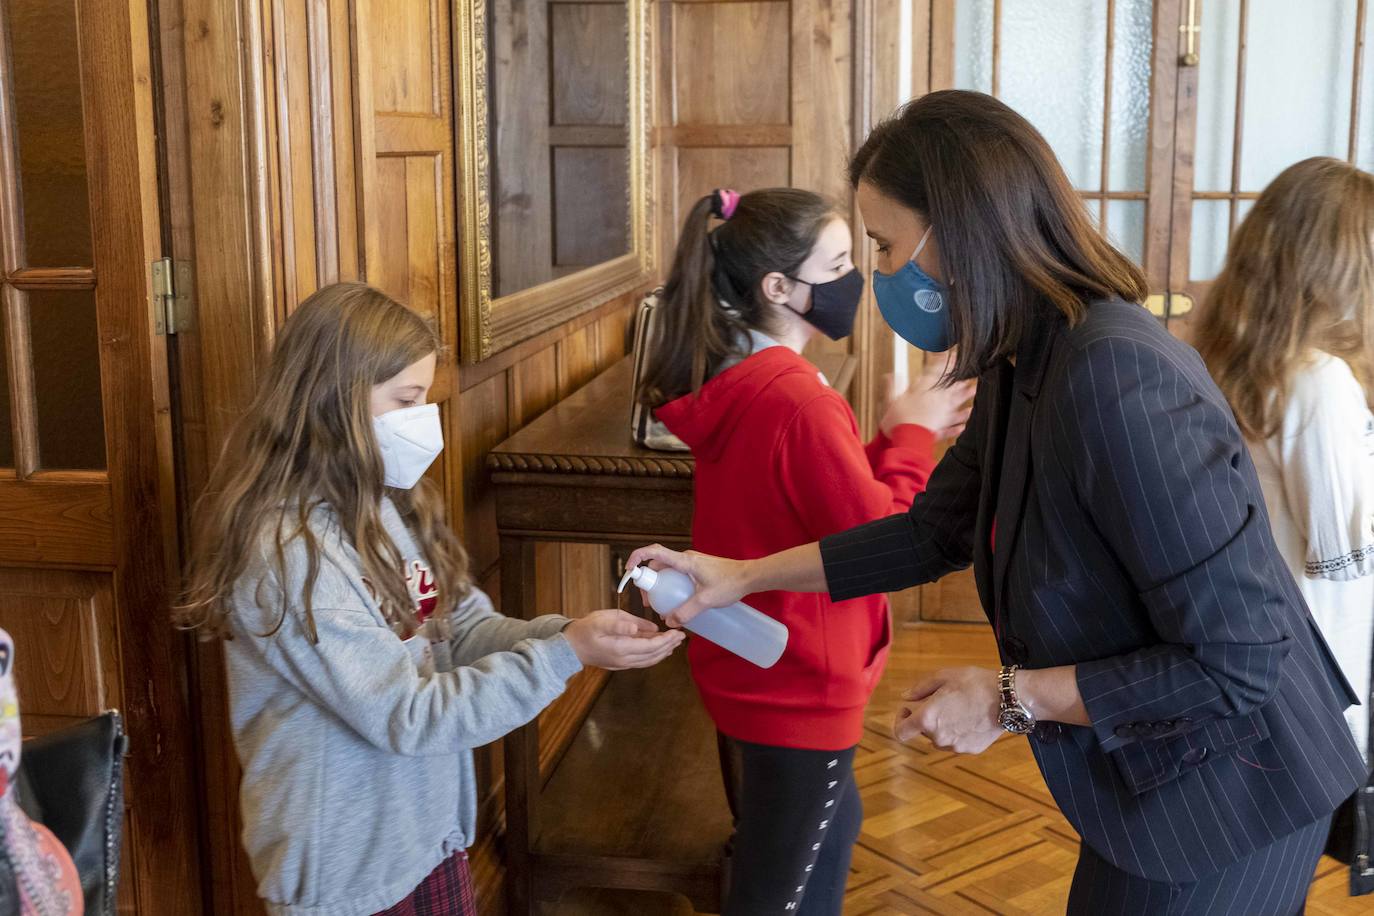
{"type": "Point", "coordinates": [1016, 720]}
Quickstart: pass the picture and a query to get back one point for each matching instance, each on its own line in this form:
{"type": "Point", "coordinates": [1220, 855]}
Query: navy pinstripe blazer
{"type": "Point", "coordinates": [1132, 542]}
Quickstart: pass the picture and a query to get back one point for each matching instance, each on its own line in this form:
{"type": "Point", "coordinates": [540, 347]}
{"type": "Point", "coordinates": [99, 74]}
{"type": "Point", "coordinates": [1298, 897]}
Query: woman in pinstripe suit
{"type": "Point", "coordinates": [1183, 708]}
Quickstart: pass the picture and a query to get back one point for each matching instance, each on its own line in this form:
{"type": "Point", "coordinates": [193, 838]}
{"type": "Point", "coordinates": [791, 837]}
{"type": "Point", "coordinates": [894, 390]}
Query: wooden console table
{"type": "Point", "coordinates": [574, 474]}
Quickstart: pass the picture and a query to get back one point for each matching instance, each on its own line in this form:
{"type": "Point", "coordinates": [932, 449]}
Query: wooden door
{"type": "Point", "coordinates": [86, 488]}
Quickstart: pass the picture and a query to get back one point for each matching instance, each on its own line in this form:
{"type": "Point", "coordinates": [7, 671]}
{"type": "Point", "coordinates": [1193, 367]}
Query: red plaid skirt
{"type": "Point", "coordinates": [446, 892]}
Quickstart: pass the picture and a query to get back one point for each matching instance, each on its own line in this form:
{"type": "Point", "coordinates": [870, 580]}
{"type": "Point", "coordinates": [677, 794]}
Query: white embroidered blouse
{"type": "Point", "coordinates": [1318, 478]}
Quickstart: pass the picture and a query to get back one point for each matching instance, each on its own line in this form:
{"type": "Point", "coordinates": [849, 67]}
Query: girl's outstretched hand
{"type": "Point", "coordinates": [719, 581]}
{"type": "Point", "coordinates": [616, 640]}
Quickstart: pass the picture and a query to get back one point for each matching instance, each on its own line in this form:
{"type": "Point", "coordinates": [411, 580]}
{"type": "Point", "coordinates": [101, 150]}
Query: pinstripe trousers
{"type": "Point", "coordinates": [1271, 881]}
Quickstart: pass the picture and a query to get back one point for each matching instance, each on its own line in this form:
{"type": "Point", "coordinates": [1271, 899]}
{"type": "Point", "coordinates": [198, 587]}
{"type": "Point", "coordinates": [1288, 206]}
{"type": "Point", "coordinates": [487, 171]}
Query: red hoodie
{"type": "Point", "coordinates": [779, 462]}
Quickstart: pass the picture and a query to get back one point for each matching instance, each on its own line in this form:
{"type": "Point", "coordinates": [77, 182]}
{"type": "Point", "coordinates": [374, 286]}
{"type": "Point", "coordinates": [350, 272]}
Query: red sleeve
{"type": "Point", "coordinates": [904, 461]}
{"type": "Point", "coordinates": [834, 482]}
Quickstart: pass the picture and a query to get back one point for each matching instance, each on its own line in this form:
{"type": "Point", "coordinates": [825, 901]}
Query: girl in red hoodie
{"type": "Point", "coordinates": [779, 462]}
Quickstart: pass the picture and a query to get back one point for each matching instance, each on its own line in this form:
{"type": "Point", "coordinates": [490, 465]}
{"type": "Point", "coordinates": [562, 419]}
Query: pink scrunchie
{"type": "Point", "coordinates": [723, 203]}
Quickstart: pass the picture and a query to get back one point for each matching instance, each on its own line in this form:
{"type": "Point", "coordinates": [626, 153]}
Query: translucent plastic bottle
{"type": "Point", "coordinates": [737, 628]}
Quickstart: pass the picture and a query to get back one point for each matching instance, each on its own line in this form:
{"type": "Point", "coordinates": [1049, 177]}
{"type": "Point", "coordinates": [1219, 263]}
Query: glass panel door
{"type": "Point", "coordinates": [1080, 71]}
{"type": "Point", "coordinates": [1277, 82]}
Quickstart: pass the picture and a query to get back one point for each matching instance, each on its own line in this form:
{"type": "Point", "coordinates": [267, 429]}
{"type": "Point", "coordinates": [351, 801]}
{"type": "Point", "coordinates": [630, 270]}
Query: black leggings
{"type": "Point", "coordinates": [797, 815]}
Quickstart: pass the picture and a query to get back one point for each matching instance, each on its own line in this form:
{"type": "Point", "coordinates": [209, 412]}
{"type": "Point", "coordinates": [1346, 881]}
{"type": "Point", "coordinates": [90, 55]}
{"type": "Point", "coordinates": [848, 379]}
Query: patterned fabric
{"type": "Point", "coordinates": [446, 892]}
{"type": "Point", "coordinates": [43, 871]}
{"type": "Point", "coordinates": [1133, 543]}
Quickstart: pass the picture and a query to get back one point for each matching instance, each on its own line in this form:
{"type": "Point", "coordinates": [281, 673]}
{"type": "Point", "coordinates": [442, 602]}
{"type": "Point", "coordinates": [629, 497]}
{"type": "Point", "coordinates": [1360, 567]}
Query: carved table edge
{"type": "Point", "coordinates": [590, 464]}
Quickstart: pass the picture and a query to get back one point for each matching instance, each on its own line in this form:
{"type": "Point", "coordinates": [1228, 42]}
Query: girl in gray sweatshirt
{"type": "Point", "coordinates": [363, 665]}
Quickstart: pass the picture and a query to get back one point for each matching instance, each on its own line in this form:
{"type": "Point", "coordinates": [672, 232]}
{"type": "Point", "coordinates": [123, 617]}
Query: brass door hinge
{"type": "Point", "coordinates": [1169, 305]}
{"type": "Point", "coordinates": [171, 296]}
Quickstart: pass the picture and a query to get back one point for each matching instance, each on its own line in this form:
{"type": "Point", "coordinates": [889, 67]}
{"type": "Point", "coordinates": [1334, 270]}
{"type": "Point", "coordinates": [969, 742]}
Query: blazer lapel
{"type": "Point", "coordinates": [1032, 356]}
{"type": "Point", "coordinates": [996, 386]}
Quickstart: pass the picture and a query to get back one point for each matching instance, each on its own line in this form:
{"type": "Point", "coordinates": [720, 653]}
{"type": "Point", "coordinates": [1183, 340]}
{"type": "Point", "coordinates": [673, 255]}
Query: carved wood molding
{"type": "Point", "coordinates": [647, 466]}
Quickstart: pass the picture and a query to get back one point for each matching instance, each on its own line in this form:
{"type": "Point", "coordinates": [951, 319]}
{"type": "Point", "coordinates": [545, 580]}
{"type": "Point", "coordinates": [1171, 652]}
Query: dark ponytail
{"type": "Point", "coordinates": [764, 231]}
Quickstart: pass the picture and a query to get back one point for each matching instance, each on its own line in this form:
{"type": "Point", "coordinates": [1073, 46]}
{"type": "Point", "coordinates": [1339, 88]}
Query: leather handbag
{"type": "Point", "coordinates": [72, 781]}
{"type": "Point", "coordinates": [646, 430]}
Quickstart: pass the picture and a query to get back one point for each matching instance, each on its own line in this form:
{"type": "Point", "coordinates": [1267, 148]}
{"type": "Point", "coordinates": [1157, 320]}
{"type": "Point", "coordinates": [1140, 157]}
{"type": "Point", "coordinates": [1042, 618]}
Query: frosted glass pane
{"type": "Point", "coordinates": [1130, 125]}
{"type": "Point", "coordinates": [1211, 231]}
{"type": "Point", "coordinates": [1053, 72]}
{"type": "Point", "coordinates": [1295, 110]}
{"type": "Point", "coordinates": [1126, 227]}
{"type": "Point", "coordinates": [1216, 95]}
{"type": "Point", "coordinates": [45, 77]}
{"type": "Point", "coordinates": [973, 45]}
{"type": "Point", "coordinates": [1365, 145]}
{"type": "Point", "coordinates": [1242, 208]}
{"type": "Point", "coordinates": [66, 374]}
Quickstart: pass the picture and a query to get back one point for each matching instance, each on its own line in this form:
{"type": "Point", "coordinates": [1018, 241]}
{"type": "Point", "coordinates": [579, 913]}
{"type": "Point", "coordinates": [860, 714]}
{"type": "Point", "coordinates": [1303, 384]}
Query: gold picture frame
{"type": "Point", "coordinates": [487, 323]}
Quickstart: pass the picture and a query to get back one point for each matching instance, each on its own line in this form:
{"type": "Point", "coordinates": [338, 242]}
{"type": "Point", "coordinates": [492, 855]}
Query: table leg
{"type": "Point", "coordinates": [521, 749]}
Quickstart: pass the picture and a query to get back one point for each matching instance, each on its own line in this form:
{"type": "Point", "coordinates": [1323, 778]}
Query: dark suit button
{"type": "Point", "coordinates": [1183, 722]}
{"type": "Point", "coordinates": [1015, 650]}
{"type": "Point", "coordinates": [1194, 757]}
{"type": "Point", "coordinates": [1124, 731]}
{"type": "Point", "coordinates": [1049, 732]}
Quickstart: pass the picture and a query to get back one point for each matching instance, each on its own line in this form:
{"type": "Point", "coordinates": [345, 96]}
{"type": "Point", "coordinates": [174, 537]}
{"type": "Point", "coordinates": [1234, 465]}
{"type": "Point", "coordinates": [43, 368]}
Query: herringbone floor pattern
{"type": "Point", "coordinates": [945, 833]}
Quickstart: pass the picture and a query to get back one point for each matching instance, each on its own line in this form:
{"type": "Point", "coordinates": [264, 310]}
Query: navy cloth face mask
{"type": "Point", "coordinates": [915, 304]}
{"type": "Point", "coordinates": [834, 304]}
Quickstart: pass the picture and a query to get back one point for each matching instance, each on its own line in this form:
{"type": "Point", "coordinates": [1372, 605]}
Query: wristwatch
{"type": "Point", "coordinates": [1013, 715]}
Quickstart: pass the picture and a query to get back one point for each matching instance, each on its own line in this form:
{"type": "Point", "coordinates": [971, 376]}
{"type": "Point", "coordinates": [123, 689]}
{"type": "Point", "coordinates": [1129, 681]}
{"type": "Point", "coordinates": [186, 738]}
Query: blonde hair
{"type": "Point", "coordinates": [1298, 278]}
{"type": "Point", "coordinates": [307, 441]}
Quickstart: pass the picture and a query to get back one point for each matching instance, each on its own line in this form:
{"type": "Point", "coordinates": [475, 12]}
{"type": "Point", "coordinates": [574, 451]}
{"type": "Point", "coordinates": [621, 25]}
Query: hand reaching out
{"type": "Point", "coordinates": [616, 640]}
{"type": "Point", "coordinates": [943, 411]}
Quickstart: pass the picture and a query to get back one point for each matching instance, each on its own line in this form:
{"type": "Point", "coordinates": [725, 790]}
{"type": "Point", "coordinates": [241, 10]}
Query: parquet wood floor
{"type": "Point", "coordinates": [944, 833]}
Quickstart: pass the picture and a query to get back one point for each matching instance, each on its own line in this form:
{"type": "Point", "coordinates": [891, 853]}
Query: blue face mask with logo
{"type": "Point", "coordinates": [915, 304]}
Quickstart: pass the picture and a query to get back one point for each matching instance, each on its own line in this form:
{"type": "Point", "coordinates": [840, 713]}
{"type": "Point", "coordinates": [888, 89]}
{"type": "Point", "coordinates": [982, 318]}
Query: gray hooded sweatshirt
{"type": "Point", "coordinates": [357, 749]}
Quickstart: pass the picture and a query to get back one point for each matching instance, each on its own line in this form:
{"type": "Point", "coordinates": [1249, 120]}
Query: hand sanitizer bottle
{"type": "Point", "coordinates": [738, 628]}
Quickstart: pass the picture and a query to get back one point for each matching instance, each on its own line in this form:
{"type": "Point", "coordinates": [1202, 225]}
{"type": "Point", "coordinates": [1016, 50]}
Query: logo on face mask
{"type": "Point", "coordinates": [927, 326]}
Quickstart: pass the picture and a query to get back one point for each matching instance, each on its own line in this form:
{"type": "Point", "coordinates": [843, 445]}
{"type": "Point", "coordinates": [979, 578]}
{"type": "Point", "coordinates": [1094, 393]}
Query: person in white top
{"type": "Point", "coordinates": [1288, 333]}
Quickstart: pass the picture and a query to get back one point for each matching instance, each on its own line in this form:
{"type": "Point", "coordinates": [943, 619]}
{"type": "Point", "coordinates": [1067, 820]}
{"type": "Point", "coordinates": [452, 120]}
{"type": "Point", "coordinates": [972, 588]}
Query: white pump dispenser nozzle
{"type": "Point", "coordinates": [737, 628]}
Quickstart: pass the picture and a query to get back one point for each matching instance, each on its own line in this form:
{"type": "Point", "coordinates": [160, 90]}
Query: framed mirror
{"type": "Point", "coordinates": [554, 183]}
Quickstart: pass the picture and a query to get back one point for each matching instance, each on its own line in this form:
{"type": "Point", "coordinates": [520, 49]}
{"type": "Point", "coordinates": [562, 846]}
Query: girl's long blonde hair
{"type": "Point", "coordinates": [1298, 278]}
{"type": "Point", "coordinates": [307, 441]}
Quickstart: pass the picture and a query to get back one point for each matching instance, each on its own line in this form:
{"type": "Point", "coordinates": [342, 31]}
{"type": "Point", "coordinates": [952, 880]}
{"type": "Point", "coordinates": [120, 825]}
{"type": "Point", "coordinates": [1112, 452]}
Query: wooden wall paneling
{"type": "Point", "coordinates": [404, 135]}
{"type": "Point", "coordinates": [590, 223]}
{"type": "Point", "coordinates": [484, 413]}
{"type": "Point", "coordinates": [290, 75]}
{"type": "Point", "coordinates": [585, 567]}
{"type": "Point", "coordinates": [700, 169]}
{"type": "Point", "coordinates": [521, 225]}
{"type": "Point", "coordinates": [732, 61]}
{"type": "Point", "coordinates": [342, 134]}
{"type": "Point", "coordinates": [823, 129]}
{"type": "Point", "coordinates": [588, 139]}
{"type": "Point", "coordinates": [216, 195]}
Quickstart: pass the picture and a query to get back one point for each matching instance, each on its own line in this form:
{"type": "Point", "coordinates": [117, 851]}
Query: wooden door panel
{"type": "Point", "coordinates": [64, 626]}
{"type": "Point", "coordinates": [57, 519]}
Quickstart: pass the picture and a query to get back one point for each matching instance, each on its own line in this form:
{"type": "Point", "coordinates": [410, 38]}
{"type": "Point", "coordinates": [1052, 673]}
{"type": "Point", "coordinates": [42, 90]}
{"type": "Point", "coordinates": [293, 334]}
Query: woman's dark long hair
{"type": "Point", "coordinates": [1015, 239]}
{"type": "Point", "coordinates": [770, 230]}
